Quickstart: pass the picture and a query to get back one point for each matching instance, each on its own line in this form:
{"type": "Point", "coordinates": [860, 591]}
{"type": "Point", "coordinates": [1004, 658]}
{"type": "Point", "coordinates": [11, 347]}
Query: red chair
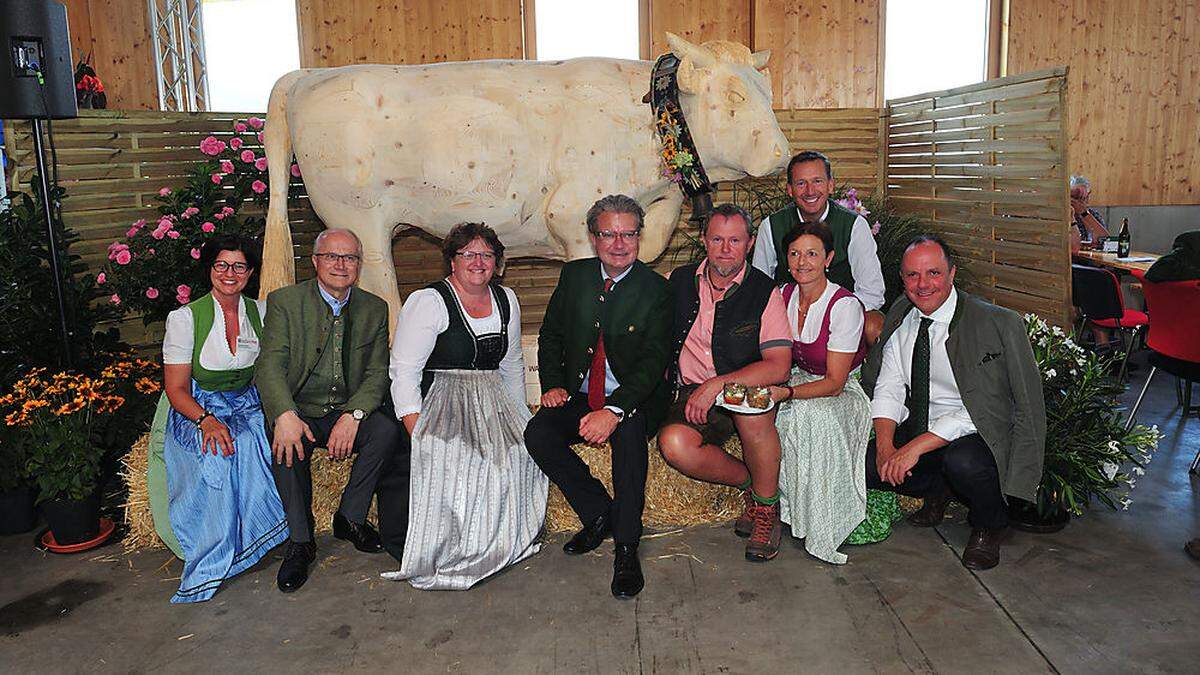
{"type": "Point", "coordinates": [1174, 338]}
{"type": "Point", "coordinates": [1097, 294]}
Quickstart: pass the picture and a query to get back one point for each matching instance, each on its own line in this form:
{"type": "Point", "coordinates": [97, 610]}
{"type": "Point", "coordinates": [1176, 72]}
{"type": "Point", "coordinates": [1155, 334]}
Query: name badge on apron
{"type": "Point", "coordinates": [247, 343]}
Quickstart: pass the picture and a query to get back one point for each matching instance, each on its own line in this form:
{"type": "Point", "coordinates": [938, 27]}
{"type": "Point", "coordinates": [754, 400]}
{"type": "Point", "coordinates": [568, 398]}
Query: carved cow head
{"type": "Point", "coordinates": [725, 93]}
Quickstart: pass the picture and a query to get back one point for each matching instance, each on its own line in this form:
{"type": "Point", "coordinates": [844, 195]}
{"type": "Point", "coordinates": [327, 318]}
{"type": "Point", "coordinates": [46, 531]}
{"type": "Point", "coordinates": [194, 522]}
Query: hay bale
{"type": "Point", "coordinates": [329, 479]}
{"type": "Point", "coordinates": [672, 499]}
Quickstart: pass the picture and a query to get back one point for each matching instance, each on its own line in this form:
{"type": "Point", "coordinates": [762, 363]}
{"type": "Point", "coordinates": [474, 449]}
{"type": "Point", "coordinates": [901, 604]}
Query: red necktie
{"type": "Point", "coordinates": [596, 374]}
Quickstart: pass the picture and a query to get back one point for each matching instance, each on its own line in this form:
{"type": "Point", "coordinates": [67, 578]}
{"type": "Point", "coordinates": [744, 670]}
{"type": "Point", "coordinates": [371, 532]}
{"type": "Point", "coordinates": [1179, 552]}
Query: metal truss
{"type": "Point", "coordinates": [178, 33]}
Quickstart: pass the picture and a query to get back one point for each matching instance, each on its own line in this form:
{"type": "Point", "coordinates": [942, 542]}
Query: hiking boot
{"type": "Point", "coordinates": [766, 533]}
{"type": "Point", "coordinates": [745, 522]}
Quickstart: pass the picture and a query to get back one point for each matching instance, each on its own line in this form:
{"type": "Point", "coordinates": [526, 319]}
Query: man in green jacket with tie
{"type": "Point", "coordinates": [602, 354]}
{"type": "Point", "coordinates": [322, 376]}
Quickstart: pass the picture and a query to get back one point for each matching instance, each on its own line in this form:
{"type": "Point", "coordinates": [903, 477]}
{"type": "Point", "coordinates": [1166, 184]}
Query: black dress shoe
{"type": "Point", "coordinates": [589, 537]}
{"type": "Point", "coordinates": [627, 572]}
{"type": "Point", "coordinates": [983, 548]}
{"type": "Point", "coordinates": [294, 570]}
{"type": "Point", "coordinates": [364, 537]}
{"type": "Point", "coordinates": [931, 512]}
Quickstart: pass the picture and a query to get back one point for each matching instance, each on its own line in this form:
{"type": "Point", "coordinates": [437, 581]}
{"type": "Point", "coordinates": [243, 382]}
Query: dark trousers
{"type": "Point", "coordinates": [965, 466]}
{"type": "Point", "coordinates": [549, 437]}
{"type": "Point", "coordinates": [375, 444]}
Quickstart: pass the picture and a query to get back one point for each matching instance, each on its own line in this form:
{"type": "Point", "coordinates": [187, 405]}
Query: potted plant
{"type": "Point", "coordinates": [1089, 453]}
{"type": "Point", "coordinates": [17, 512]}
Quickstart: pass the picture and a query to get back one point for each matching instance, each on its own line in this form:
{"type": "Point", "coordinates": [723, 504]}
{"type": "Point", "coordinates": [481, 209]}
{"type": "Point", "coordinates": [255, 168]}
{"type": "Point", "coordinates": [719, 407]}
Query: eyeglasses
{"type": "Point", "coordinates": [238, 268]}
{"type": "Point", "coordinates": [627, 237]}
{"type": "Point", "coordinates": [334, 258]}
{"type": "Point", "coordinates": [470, 256]}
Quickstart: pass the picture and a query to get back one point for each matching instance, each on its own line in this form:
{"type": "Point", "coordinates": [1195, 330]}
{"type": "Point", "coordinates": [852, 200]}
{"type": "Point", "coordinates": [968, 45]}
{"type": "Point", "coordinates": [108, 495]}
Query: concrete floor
{"type": "Point", "coordinates": [1113, 592]}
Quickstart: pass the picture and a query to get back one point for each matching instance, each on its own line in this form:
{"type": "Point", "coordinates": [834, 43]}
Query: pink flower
{"type": "Point", "coordinates": [261, 163]}
{"type": "Point", "coordinates": [207, 227]}
{"type": "Point", "coordinates": [226, 211]}
{"type": "Point", "coordinates": [174, 234]}
{"type": "Point", "coordinates": [183, 289]}
{"type": "Point", "coordinates": [219, 216]}
{"type": "Point", "coordinates": [123, 257]}
{"type": "Point", "coordinates": [165, 223]}
{"type": "Point", "coordinates": [240, 128]}
{"type": "Point", "coordinates": [875, 228]}
{"type": "Point", "coordinates": [158, 233]}
{"type": "Point", "coordinates": [235, 143]}
{"type": "Point", "coordinates": [100, 278]}
{"type": "Point", "coordinates": [189, 212]}
{"type": "Point", "coordinates": [295, 170]}
{"type": "Point", "coordinates": [216, 178]}
{"type": "Point", "coordinates": [195, 254]}
{"type": "Point", "coordinates": [211, 146]}
{"type": "Point", "coordinates": [247, 156]}
{"type": "Point", "coordinates": [164, 192]}
{"type": "Point", "coordinates": [255, 122]}
{"type": "Point", "coordinates": [152, 293]}
{"type": "Point", "coordinates": [132, 231]}
{"type": "Point", "coordinates": [226, 166]}
{"type": "Point", "coordinates": [258, 186]}
{"type": "Point", "coordinates": [260, 138]}
{"type": "Point", "coordinates": [150, 251]}
{"type": "Point", "coordinates": [115, 248]}
{"type": "Point", "coordinates": [115, 299]}
{"type": "Point", "coordinates": [183, 294]}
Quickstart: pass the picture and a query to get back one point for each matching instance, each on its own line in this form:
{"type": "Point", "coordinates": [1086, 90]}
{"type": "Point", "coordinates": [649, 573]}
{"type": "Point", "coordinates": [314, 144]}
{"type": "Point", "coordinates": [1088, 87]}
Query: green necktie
{"type": "Point", "coordinates": [920, 379]}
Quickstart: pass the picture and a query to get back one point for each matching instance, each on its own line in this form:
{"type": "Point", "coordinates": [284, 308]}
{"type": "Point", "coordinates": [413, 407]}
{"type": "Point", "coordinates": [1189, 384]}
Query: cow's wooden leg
{"type": "Point", "coordinates": [378, 274]}
{"type": "Point", "coordinates": [661, 218]}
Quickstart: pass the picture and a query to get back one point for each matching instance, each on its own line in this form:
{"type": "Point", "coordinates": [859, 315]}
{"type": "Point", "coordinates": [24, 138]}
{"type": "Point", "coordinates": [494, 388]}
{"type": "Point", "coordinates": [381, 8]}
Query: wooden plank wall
{"type": "Point", "coordinates": [1134, 90]}
{"type": "Point", "coordinates": [986, 164]}
{"type": "Point", "coordinates": [117, 35]}
{"type": "Point", "coordinates": [112, 165]}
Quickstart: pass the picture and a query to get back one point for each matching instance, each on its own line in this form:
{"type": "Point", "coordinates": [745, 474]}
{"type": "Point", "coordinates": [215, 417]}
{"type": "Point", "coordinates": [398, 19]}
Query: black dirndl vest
{"type": "Point", "coordinates": [458, 347]}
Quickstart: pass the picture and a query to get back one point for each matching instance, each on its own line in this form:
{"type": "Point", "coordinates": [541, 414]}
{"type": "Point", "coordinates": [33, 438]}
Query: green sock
{"type": "Point", "coordinates": [766, 501]}
{"type": "Point", "coordinates": [746, 485]}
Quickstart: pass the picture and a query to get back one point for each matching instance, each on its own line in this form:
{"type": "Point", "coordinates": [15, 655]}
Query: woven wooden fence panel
{"type": "Point", "coordinates": [986, 164]}
{"type": "Point", "coordinates": [113, 163]}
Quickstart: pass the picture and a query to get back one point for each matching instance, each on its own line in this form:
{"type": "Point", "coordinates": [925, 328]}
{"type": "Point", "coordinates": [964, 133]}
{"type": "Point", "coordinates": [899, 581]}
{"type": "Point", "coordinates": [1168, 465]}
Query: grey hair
{"type": "Point", "coordinates": [729, 210]}
{"type": "Point", "coordinates": [1081, 181]}
{"type": "Point", "coordinates": [614, 204]}
{"type": "Point", "coordinates": [333, 230]}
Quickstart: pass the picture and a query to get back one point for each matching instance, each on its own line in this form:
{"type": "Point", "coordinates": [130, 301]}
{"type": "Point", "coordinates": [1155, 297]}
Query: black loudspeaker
{"type": "Point", "coordinates": [37, 75]}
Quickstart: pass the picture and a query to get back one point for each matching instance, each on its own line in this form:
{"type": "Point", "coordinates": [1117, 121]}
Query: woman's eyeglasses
{"type": "Point", "coordinates": [470, 256]}
{"type": "Point", "coordinates": [238, 268]}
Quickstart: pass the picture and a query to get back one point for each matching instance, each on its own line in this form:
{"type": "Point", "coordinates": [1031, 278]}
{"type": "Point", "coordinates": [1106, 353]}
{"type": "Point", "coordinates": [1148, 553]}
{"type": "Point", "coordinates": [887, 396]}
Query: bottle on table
{"type": "Point", "coordinates": [1123, 239]}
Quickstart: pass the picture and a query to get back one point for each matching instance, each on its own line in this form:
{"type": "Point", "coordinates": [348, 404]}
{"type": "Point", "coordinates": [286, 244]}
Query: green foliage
{"type": "Point", "coordinates": [1088, 452]}
{"type": "Point", "coordinates": [63, 463]}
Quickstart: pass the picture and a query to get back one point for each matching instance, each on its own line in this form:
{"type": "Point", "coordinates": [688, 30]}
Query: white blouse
{"type": "Point", "coordinates": [214, 354]}
{"type": "Point", "coordinates": [422, 318]}
{"type": "Point", "coordinates": [845, 323]}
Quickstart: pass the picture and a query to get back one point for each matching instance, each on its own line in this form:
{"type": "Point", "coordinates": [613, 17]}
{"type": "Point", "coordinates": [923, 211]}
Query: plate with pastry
{"type": "Point", "coordinates": [739, 398]}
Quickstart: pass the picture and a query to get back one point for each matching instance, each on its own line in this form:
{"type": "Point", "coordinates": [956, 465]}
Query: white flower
{"type": "Point", "coordinates": [1051, 373]}
{"type": "Point", "coordinates": [1132, 482]}
{"type": "Point", "coordinates": [1114, 446]}
{"type": "Point", "coordinates": [1110, 470]}
{"type": "Point", "coordinates": [1139, 471]}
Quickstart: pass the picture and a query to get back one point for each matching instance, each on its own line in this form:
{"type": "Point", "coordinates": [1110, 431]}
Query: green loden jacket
{"type": "Point", "coordinates": [636, 317]}
{"type": "Point", "coordinates": [295, 331]}
{"type": "Point", "coordinates": [998, 380]}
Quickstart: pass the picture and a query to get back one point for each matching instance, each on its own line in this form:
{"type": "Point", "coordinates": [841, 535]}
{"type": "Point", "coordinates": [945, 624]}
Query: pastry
{"type": "Point", "coordinates": [734, 393]}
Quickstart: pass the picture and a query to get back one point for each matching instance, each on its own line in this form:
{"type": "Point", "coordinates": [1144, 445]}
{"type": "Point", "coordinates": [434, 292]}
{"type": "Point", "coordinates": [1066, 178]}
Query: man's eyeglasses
{"type": "Point", "coordinates": [238, 268]}
{"type": "Point", "coordinates": [334, 258]}
{"type": "Point", "coordinates": [627, 237]}
{"type": "Point", "coordinates": [470, 256]}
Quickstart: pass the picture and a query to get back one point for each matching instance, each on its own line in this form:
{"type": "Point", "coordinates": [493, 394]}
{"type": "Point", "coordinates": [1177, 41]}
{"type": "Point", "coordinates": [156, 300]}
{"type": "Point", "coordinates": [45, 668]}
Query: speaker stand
{"type": "Point", "coordinates": [55, 265]}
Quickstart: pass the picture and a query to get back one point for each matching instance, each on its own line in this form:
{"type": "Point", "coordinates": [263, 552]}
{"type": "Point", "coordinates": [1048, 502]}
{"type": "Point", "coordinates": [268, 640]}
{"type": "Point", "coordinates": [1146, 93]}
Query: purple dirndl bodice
{"type": "Point", "coordinates": [810, 356]}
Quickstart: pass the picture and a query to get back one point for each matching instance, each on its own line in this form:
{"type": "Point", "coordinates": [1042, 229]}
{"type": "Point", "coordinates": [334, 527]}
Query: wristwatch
{"type": "Point", "coordinates": [358, 414]}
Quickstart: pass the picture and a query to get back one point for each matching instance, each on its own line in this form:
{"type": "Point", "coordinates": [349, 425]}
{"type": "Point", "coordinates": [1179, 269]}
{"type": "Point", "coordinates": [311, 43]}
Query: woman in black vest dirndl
{"type": "Point", "coordinates": [476, 498]}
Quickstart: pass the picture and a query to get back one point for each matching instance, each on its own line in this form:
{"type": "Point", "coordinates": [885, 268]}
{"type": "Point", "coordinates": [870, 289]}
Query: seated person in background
{"type": "Point", "coordinates": [730, 328]}
{"type": "Point", "coordinates": [824, 417]}
{"type": "Point", "coordinates": [957, 400]}
{"type": "Point", "coordinates": [223, 505]}
{"type": "Point", "coordinates": [1087, 225]}
{"type": "Point", "coordinates": [1182, 263]}
{"type": "Point", "coordinates": [323, 376]}
{"type": "Point", "coordinates": [458, 384]}
{"type": "Point", "coordinates": [855, 264]}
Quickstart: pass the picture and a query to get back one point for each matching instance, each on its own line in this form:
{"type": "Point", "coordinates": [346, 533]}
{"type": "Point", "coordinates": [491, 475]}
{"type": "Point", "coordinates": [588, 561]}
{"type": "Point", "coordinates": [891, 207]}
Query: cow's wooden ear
{"type": "Point", "coordinates": [689, 77]}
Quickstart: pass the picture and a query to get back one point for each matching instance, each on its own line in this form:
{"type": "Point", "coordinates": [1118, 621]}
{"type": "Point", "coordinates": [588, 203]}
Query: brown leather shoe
{"type": "Point", "coordinates": [1192, 548]}
{"type": "Point", "coordinates": [744, 524]}
{"type": "Point", "coordinates": [931, 512]}
{"type": "Point", "coordinates": [763, 544]}
{"type": "Point", "coordinates": [983, 548]}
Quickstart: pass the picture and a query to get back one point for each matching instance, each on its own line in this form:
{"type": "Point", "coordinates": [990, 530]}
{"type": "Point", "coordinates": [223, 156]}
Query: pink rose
{"type": "Point", "coordinates": [211, 146]}
{"type": "Point", "coordinates": [235, 143]}
{"type": "Point", "coordinates": [226, 211]}
{"type": "Point", "coordinates": [164, 192]}
{"type": "Point", "coordinates": [189, 212]}
{"type": "Point", "coordinates": [115, 248]}
{"type": "Point", "coordinates": [115, 299]}
{"type": "Point", "coordinates": [258, 186]}
{"type": "Point", "coordinates": [123, 257]}
{"type": "Point", "coordinates": [255, 122]}
{"type": "Point", "coordinates": [295, 170]}
{"type": "Point", "coordinates": [239, 127]}
{"type": "Point", "coordinates": [150, 251]}
{"type": "Point", "coordinates": [152, 293]}
{"type": "Point", "coordinates": [226, 166]}
{"type": "Point", "coordinates": [183, 289]}
{"type": "Point", "coordinates": [158, 233]}
{"type": "Point", "coordinates": [174, 234]}
{"type": "Point", "coordinates": [100, 278]}
{"type": "Point", "coordinates": [219, 216]}
{"type": "Point", "coordinates": [165, 223]}
{"type": "Point", "coordinates": [132, 232]}
{"type": "Point", "coordinates": [261, 163]}
{"type": "Point", "coordinates": [183, 294]}
{"type": "Point", "coordinates": [247, 156]}
{"type": "Point", "coordinates": [260, 138]}
{"type": "Point", "coordinates": [216, 178]}
{"type": "Point", "coordinates": [207, 227]}
{"type": "Point", "coordinates": [195, 254]}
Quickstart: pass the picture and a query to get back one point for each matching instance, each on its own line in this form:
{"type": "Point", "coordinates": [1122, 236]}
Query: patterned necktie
{"type": "Point", "coordinates": [920, 379]}
{"type": "Point", "coordinates": [596, 374]}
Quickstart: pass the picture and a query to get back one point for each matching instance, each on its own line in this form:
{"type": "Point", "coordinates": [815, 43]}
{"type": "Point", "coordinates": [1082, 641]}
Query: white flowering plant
{"type": "Point", "coordinates": [1089, 454]}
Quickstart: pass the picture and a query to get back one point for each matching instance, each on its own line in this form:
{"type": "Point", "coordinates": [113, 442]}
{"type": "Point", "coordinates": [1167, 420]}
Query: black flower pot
{"type": "Point", "coordinates": [1026, 516]}
{"type": "Point", "coordinates": [73, 521]}
{"type": "Point", "coordinates": [17, 514]}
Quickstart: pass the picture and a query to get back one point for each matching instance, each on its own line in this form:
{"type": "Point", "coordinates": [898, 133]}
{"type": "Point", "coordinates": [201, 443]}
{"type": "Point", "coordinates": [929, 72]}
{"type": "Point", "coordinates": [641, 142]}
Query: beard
{"type": "Point", "coordinates": [727, 270]}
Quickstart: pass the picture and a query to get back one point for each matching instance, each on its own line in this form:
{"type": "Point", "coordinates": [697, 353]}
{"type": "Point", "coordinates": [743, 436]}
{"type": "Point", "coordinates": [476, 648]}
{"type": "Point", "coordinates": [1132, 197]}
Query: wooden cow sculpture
{"type": "Point", "coordinates": [525, 147]}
